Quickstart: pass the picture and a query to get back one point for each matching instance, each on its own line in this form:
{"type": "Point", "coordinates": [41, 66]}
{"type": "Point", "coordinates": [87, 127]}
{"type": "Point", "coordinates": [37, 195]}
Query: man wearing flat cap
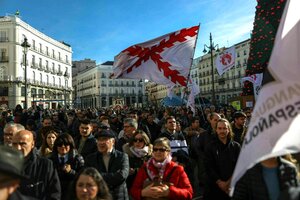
{"type": "Point", "coordinates": [43, 182]}
{"type": "Point", "coordinates": [111, 163]}
{"type": "Point", "coordinates": [11, 164]}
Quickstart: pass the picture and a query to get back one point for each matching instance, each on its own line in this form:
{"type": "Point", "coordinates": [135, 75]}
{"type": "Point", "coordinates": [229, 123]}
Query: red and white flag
{"type": "Point", "coordinates": [274, 127]}
{"type": "Point", "coordinates": [225, 60]}
{"type": "Point", "coordinates": [256, 80]}
{"type": "Point", "coordinates": [164, 60]}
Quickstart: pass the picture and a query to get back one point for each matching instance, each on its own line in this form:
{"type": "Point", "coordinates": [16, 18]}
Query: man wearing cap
{"type": "Point", "coordinates": [11, 163]}
{"type": "Point", "coordinates": [239, 126]}
{"type": "Point", "coordinates": [43, 182]}
{"type": "Point", "coordinates": [111, 163]}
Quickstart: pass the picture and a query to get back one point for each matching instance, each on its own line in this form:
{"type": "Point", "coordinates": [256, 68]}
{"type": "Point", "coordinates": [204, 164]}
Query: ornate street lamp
{"type": "Point", "coordinates": [25, 46]}
{"type": "Point", "coordinates": [211, 48]}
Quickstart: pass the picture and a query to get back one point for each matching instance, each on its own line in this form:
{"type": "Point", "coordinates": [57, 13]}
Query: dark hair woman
{"type": "Point", "coordinates": [89, 184]}
{"type": "Point", "coordinates": [66, 160]}
{"type": "Point", "coordinates": [139, 150]}
{"type": "Point", "coordinates": [160, 177]}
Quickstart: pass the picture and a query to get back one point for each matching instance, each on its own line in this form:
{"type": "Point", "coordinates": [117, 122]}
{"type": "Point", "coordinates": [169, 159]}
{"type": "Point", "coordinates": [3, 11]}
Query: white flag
{"type": "Point", "coordinates": [256, 79]}
{"type": "Point", "coordinates": [225, 60]}
{"type": "Point", "coordinates": [165, 60]}
{"type": "Point", "coordinates": [274, 128]}
{"type": "Point", "coordinates": [194, 91]}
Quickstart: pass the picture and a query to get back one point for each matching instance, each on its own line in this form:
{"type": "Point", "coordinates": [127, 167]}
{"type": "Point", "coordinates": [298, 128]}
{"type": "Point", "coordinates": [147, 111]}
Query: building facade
{"type": "Point", "coordinates": [95, 89]}
{"type": "Point", "coordinates": [48, 68]}
{"type": "Point", "coordinates": [227, 85]}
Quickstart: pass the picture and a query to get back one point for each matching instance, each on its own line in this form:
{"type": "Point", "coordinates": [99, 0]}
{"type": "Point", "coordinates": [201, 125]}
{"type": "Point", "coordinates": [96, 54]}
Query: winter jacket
{"type": "Point", "coordinates": [180, 190]}
{"type": "Point", "coordinates": [115, 176]}
{"type": "Point", "coordinates": [75, 161]}
{"type": "Point", "coordinates": [253, 187]}
{"type": "Point", "coordinates": [43, 182]}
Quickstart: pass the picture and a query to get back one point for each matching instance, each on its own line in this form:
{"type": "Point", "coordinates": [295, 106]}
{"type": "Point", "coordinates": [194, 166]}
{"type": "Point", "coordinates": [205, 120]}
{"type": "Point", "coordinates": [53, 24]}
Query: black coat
{"type": "Point", "coordinates": [76, 161]}
{"type": "Point", "coordinates": [219, 162]}
{"type": "Point", "coordinates": [89, 147]}
{"type": "Point", "coordinates": [115, 177]}
{"type": "Point", "coordinates": [43, 183]}
{"type": "Point", "coordinates": [253, 187]}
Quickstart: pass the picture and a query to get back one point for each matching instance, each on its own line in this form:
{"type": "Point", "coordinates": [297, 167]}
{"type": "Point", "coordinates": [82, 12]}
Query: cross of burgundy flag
{"type": "Point", "coordinates": [164, 60]}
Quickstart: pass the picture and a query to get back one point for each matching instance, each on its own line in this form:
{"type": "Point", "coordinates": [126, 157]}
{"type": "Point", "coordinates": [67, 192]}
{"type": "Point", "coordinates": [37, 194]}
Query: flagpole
{"type": "Point", "coordinates": [192, 58]}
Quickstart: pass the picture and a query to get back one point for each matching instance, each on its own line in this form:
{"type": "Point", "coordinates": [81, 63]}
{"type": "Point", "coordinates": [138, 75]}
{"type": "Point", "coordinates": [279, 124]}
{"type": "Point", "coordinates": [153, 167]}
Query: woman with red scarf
{"type": "Point", "coordinates": [160, 177]}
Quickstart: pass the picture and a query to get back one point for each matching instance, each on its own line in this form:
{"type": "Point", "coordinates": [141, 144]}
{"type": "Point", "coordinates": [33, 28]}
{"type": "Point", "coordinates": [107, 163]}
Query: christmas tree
{"type": "Point", "coordinates": [267, 17]}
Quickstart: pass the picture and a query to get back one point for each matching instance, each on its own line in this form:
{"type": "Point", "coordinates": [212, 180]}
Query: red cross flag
{"type": "Point", "coordinates": [274, 128]}
{"type": "Point", "coordinates": [164, 60]}
{"type": "Point", "coordinates": [225, 60]}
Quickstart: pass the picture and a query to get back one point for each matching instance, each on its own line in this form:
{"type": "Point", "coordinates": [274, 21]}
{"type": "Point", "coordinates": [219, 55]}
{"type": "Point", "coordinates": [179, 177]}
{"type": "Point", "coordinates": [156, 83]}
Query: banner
{"type": "Point", "coordinates": [274, 128]}
{"type": "Point", "coordinates": [225, 60]}
{"type": "Point", "coordinates": [165, 60]}
{"type": "Point", "coordinates": [256, 80]}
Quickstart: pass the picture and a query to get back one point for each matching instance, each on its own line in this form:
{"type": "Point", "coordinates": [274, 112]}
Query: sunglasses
{"type": "Point", "coordinates": [60, 144]}
{"type": "Point", "coordinates": [138, 140]}
{"type": "Point", "coordinates": [159, 149]}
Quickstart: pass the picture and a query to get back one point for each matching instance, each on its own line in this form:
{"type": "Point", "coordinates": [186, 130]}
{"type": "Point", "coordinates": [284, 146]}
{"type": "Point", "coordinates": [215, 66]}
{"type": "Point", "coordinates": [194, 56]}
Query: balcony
{"type": "Point", "coordinates": [59, 73]}
{"type": "Point", "coordinates": [34, 65]}
{"type": "Point", "coordinates": [3, 59]}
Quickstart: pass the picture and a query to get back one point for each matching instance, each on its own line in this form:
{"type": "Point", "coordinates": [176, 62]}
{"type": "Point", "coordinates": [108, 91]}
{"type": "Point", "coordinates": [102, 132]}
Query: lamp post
{"type": "Point", "coordinates": [66, 84]}
{"type": "Point", "coordinates": [211, 48]}
{"type": "Point", "coordinates": [25, 46]}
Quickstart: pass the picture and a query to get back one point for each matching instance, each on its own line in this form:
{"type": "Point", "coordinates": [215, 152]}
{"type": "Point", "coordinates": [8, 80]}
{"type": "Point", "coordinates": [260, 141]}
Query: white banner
{"type": "Point", "coordinates": [256, 79]}
{"type": "Point", "coordinates": [274, 128]}
{"type": "Point", "coordinates": [164, 60]}
{"type": "Point", "coordinates": [225, 60]}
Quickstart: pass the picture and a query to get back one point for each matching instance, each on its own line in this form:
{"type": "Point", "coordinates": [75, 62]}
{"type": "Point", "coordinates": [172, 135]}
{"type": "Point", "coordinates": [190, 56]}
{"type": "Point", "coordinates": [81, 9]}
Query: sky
{"type": "Point", "coordinates": [100, 29]}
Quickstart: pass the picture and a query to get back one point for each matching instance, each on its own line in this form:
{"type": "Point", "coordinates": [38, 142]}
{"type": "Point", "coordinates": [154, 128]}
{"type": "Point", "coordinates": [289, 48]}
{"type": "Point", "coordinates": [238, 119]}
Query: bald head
{"type": "Point", "coordinates": [23, 141]}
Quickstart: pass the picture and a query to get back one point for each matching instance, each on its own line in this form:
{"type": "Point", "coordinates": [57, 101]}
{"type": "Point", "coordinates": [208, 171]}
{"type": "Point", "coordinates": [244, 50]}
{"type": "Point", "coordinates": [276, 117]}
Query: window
{"type": "Point", "coordinates": [2, 72]}
{"type": "Point", "coordinates": [41, 77]}
{"type": "Point", "coordinates": [33, 76]}
{"type": "Point", "coordinates": [41, 47]}
{"type": "Point", "coordinates": [47, 79]}
{"type": "Point", "coordinates": [3, 37]}
{"type": "Point", "coordinates": [33, 44]}
{"type": "Point", "coordinates": [33, 60]}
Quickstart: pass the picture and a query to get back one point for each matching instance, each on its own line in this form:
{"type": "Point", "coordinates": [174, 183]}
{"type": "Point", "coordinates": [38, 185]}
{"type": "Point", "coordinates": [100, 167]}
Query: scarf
{"type": "Point", "coordinates": [156, 169]}
{"type": "Point", "coordinates": [140, 153]}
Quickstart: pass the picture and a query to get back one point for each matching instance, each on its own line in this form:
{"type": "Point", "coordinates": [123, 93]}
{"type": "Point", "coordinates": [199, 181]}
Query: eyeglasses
{"type": "Point", "coordinates": [60, 144]}
{"type": "Point", "coordinates": [160, 149]}
{"type": "Point", "coordinates": [138, 140]}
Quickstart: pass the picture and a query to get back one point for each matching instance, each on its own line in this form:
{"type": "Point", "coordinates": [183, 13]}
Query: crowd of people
{"type": "Point", "coordinates": [149, 153]}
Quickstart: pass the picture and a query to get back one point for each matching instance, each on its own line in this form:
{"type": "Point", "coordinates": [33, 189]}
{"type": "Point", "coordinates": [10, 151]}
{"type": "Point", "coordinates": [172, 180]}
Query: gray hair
{"type": "Point", "coordinates": [19, 127]}
{"type": "Point", "coordinates": [131, 122]}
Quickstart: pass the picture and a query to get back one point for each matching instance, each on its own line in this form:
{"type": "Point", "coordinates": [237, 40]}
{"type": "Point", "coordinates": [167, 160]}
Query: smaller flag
{"type": "Point", "coordinates": [225, 60]}
{"type": "Point", "coordinates": [194, 91]}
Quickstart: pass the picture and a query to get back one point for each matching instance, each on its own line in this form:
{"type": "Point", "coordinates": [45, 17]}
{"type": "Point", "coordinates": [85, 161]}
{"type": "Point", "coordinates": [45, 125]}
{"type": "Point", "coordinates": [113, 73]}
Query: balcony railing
{"type": "Point", "coordinates": [3, 39]}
